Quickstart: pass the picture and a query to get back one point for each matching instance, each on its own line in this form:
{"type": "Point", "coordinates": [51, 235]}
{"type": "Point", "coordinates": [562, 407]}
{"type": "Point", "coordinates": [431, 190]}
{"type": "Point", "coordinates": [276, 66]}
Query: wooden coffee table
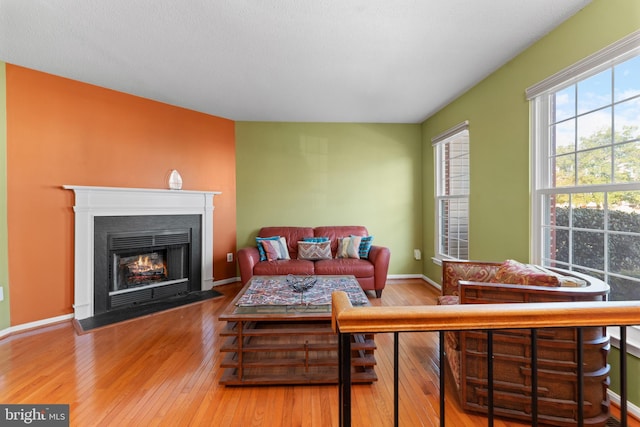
{"type": "Point", "coordinates": [290, 343]}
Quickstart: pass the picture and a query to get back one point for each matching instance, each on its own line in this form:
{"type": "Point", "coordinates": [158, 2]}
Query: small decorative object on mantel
{"type": "Point", "coordinates": [175, 180]}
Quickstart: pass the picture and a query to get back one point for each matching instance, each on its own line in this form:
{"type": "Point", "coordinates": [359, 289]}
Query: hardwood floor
{"type": "Point", "coordinates": [163, 370]}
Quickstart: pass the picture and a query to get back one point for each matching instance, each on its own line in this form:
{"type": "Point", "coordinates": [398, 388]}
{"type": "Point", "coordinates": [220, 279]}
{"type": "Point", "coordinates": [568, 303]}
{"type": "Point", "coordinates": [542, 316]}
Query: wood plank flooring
{"type": "Point", "coordinates": [163, 370]}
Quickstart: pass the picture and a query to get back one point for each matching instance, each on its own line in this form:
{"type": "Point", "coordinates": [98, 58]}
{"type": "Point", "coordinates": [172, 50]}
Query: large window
{"type": "Point", "coordinates": [452, 192]}
{"type": "Point", "coordinates": [586, 164]}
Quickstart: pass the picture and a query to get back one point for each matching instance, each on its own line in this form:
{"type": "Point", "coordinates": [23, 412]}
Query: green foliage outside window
{"type": "Point", "coordinates": [589, 247]}
{"type": "Point", "coordinates": [593, 165]}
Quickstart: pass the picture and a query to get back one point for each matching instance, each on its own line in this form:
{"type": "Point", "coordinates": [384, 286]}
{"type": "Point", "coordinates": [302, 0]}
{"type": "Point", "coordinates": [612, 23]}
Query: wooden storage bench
{"type": "Point", "coordinates": [557, 353]}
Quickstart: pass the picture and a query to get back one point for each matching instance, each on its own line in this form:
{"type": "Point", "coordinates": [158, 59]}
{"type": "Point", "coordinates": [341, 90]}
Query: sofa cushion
{"type": "Point", "coordinates": [344, 266]}
{"type": "Point", "coordinates": [284, 267]}
{"type": "Point", "coordinates": [514, 272]}
{"type": "Point", "coordinates": [314, 250]}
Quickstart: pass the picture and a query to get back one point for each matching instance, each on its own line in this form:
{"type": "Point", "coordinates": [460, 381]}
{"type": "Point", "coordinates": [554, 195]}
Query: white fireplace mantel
{"type": "Point", "coordinates": [111, 201]}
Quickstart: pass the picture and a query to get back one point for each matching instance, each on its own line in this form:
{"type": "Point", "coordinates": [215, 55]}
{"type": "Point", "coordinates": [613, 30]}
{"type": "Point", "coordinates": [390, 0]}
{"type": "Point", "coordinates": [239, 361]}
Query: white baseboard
{"type": "Point", "coordinates": [37, 324]}
{"type": "Point", "coordinates": [225, 281]}
{"type": "Point", "coordinates": [631, 408]}
{"type": "Point", "coordinates": [432, 283]}
{"type": "Point", "coordinates": [405, 276]}
{"type": "Point", "coordinates": [415, 276]}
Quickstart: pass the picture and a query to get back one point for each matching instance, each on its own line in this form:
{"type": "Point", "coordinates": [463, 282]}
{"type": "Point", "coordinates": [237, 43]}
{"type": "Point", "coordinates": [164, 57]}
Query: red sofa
{"type": "Point", "coordinates": [371, 272]}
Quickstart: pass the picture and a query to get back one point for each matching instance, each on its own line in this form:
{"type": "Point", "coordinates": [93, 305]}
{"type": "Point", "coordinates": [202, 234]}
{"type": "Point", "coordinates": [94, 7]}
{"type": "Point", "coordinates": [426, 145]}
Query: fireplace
{"type": "Point", "coordinates": [115, 226]}
{"type": "Point", "coordinates": [144, 258]}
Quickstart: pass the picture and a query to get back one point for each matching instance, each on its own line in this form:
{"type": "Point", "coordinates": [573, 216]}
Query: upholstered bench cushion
{"type": "Point", "coordinates": [516, 273]}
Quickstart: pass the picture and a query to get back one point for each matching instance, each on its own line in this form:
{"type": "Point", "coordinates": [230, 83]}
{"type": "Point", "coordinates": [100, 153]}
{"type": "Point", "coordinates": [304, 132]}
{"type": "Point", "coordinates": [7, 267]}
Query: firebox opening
{"type": "Point", "coordinates": [139, 269]}
{"type": "Point", "coordinates": [138, 275]}
{"type": "Point", "coordinates": [147, 265]}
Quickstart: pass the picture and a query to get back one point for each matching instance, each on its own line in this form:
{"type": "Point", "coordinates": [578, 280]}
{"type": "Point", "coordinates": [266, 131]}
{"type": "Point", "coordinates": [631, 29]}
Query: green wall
{"type": "Point", "coordinates": [633, 371]}
{"type": "Point", "coordinates": [498, 115]}
{"type": "Point", "coordinates": [313, 174]}
{"type": "Point", "coordinates": [4, 258]}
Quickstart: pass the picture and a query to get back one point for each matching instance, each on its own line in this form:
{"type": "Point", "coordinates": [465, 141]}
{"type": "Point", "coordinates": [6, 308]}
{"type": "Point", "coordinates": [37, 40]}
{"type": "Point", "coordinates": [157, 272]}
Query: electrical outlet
{"type": "Point", "coordinates": [1, 293]}
{"type": "Point", "coordinates": [230, 257]}
{"type": "Point", "coordinates": [417, 255]}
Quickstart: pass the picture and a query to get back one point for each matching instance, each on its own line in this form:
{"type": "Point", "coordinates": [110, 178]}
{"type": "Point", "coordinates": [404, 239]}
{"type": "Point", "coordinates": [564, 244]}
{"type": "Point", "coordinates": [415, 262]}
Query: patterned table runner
{"type": "Point", "coordinates": [274, 290]}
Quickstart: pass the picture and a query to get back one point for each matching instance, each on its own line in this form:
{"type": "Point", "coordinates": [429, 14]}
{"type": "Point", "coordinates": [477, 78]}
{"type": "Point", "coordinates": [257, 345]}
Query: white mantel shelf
{"type": "Point", "coordinates": [115, 201]}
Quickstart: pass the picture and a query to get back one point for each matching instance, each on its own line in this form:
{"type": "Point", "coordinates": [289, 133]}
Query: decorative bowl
{"type": "Point", "coordinates": [301, 283]}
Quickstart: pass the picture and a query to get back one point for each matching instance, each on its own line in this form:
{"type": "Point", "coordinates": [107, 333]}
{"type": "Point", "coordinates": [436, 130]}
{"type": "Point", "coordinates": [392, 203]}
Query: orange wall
{"type": "Point", "coordinates": [61, 131]}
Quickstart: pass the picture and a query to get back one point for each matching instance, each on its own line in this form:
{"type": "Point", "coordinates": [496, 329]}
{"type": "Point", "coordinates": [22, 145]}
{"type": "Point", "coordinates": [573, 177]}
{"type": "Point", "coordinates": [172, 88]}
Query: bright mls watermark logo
{"type": "Point", "coordinates": [34, 415]}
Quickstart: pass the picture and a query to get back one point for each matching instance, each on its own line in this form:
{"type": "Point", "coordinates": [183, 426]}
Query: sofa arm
{"type": "Point", "coordinates": [247, 258]}
{"type": "Point", "coordinates": [379, 257]}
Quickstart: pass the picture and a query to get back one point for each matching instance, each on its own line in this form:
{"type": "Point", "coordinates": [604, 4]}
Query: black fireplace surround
{"type": "Point", "coordinates": [145, 258]}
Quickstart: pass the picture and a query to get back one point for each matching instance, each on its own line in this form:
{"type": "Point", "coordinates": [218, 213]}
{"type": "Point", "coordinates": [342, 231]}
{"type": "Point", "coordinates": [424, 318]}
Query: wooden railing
{"type": "Point", "coordinates": [348, 320]}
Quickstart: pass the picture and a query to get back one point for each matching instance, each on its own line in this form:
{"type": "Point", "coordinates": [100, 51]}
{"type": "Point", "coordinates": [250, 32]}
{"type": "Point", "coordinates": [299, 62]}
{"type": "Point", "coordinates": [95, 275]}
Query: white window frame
{"type": "Point", "coordinates": [439, 143]}
{"type": "Point", "coordinates": [539, 118]}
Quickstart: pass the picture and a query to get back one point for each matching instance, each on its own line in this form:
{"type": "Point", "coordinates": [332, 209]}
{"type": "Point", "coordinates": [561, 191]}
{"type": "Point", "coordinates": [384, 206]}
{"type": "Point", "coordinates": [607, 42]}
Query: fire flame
{"type": "Point", "coordinates": [144, 264]}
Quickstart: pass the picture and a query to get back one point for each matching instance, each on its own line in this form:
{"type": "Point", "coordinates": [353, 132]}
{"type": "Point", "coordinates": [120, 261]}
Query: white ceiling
{"type": "Point", "coordinates": [382, 61]}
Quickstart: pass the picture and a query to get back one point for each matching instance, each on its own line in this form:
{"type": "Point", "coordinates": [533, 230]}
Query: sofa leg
{"type": "Point", "coordinates": [378, 293]}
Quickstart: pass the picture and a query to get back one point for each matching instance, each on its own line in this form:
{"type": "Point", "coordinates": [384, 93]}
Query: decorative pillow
{"type": "Point", "coordinates": [349, 247]}
{"type": "Point", "coordinates": [568, 281]}
{"type": "Point", "coordinates": [572, 282]}
{"type": "Point", "coordinates": [271, 249]}
{"type": "Point", "coordinates": [263, 255]}
{"type": "Point", "coordinates": [514, 272]}
{"type": "Point", "coordinates": [284, 248]}
{"type": "Point", "coordinates": [283, 251]}
{"type": "Point", "coordinates": [316, 239]}
{"type": "Point", "coordinates": [314, 250]}
{"type": "Point", "coordinates": [365, 246]}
